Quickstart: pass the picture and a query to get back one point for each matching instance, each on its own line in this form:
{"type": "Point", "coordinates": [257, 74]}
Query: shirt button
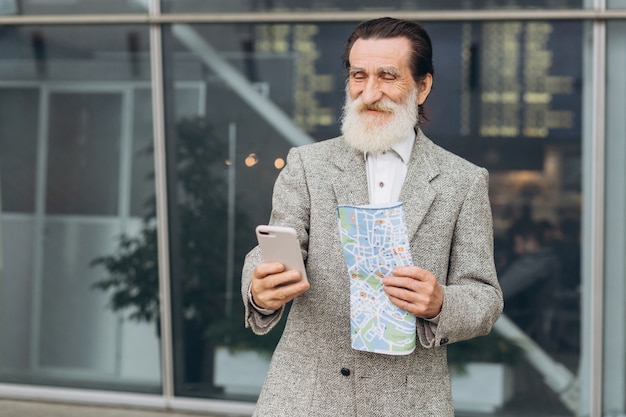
{"type": "Point", "coordinates": [443, 341]}
{"type": "Point", "coordinates": [381, 184]}
{"type": "Point", "coordinates": [345, 372]}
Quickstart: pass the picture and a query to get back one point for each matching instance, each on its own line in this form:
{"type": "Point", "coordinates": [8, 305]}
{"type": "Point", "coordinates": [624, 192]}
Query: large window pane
{"type": "Point", "coordinates": [507, 95]}
{"type": "Point", "coordinates": [177, 6]}
{"type": "Point", "coordinates": [78, 279]}
{"type": "Point", "coordinates": [223, 162]}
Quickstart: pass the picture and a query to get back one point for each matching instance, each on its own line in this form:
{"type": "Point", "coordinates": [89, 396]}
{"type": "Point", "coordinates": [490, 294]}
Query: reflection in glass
{"type": "Point", "coordinates": [514, 110]}
{"type": "Point", "coordinates": [74, 135]}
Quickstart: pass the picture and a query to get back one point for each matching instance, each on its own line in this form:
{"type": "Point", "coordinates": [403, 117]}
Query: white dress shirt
{"type": "Point", "coordinates": [386, 171]}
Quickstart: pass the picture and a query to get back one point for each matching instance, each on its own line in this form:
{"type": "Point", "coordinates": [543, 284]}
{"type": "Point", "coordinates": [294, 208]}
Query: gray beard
{"type": "Point", "coordinates": [367, 134]}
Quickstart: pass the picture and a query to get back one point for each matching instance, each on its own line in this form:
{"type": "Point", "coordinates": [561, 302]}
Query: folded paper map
{"type": "Point", "coordinates": [374, 242]}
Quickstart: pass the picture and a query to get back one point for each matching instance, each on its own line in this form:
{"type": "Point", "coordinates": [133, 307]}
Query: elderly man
{"type": "Point", "coordinates": [452, 289]}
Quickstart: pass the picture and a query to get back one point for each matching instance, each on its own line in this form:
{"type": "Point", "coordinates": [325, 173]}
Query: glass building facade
{"type": "Point", "coordinates": [139, 144]}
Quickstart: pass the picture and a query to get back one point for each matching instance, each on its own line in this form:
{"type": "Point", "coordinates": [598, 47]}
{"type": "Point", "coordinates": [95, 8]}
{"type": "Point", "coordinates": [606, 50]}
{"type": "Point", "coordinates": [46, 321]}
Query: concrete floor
{"type": "Point", "coordinates": [12, 408]}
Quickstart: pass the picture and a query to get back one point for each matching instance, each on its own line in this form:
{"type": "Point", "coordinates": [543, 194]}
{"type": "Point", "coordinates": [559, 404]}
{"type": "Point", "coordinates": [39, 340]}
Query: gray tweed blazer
{"type": "Point", "coordinates": [314, 371]}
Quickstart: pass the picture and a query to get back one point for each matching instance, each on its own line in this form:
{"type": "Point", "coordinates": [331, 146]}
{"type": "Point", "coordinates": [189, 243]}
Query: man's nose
{"type": "Point", "coordinates": [371, 92]}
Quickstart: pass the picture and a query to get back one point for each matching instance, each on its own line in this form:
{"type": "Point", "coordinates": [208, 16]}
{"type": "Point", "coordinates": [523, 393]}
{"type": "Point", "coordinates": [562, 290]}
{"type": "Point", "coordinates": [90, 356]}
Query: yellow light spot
{"type": "Point", "coordinates": [279, 163]}
{"type": "Point", "coordinates": [251, 160]}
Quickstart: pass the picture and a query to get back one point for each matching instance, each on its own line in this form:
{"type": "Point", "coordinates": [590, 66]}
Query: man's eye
{"type": "Point", "coordinates": [358, 76]}
{"type": "Point", "coordinates": [388, 77]}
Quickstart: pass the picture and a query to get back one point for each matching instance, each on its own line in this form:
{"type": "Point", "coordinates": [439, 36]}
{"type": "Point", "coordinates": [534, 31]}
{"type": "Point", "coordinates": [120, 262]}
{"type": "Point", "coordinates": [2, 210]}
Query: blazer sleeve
{"type": "Point", "coordinates": [472, 296]}
{"type": "Point", "coordinates": [290, 207]}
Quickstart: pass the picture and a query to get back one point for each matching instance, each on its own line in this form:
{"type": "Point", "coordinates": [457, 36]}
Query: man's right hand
{"type": "Point", "coordinates": [272, 287]}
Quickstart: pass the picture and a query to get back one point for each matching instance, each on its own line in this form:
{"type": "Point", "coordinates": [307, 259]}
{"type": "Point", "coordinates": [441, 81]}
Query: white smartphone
{"type": "Point", "coordinates": [280, 244]}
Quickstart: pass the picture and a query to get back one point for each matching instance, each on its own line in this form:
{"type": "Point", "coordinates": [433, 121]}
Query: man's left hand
{"type": "Point", "coordinates": [415, 290]}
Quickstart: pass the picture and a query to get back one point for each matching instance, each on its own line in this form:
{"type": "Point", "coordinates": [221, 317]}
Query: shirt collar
{"type": "Point", "coordinates": [402, 148]}
{"type": "Point", "coordinates": [405, 147]}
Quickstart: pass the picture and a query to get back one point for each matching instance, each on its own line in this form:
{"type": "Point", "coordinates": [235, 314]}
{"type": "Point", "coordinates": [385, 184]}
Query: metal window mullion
{"type": "Point", "coordinates": [39, 227]}
{"type": "Point", "coordinates": [598, 156]}
{"type": "Point", "coordinates": [317, 16]}
{"type": "Point", "coordinates": [158, 114]}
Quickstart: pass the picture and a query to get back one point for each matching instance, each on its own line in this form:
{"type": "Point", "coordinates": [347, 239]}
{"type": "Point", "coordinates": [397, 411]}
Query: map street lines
{"type": "Point", "coordinates": [374, 242]}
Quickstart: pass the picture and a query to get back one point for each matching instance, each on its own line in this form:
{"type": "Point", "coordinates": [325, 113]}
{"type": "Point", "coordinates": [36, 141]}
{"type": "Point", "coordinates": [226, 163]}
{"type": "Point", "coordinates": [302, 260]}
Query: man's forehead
{"type": "Point", "coordinates": [383, 53]}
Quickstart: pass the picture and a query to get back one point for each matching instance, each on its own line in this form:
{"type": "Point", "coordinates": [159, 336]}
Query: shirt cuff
{"type": "Point", "coordinates": [263, 311]}
{"type": "Point", "coordinates": [434, 320]}
{"type": "Point", "coordinates": [430, 328]}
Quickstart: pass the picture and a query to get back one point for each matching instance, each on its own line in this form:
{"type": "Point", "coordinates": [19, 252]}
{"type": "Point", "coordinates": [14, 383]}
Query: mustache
{"type": "Point", "coordinates": [380, 106]}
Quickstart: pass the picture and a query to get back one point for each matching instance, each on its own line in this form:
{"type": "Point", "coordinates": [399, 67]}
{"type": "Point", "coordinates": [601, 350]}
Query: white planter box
{"type": "Point", "coordinates": [483, 388]}
{"type": "Point", "coordinates": [240, 372]}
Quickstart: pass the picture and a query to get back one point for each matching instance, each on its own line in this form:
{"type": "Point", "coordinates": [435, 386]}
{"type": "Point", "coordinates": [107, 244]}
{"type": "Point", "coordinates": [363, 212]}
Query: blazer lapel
{"type": "Point", "coordinates": [350, 184]}
{"type": "Point", "coordinates": [417, 194]}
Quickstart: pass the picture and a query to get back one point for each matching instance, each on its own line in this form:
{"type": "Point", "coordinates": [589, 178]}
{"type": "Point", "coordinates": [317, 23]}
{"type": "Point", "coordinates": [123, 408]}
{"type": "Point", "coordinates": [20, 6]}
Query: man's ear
{"type": "Point", "coordinates": [423, 88]}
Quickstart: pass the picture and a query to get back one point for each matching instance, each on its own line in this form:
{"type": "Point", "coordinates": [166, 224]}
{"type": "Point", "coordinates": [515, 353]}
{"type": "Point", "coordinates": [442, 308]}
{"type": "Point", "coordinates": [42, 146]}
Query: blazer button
{"type": "Point", "coordinates": [443, 341]}
{"type": "Point", "coordinates": [345, 372]}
